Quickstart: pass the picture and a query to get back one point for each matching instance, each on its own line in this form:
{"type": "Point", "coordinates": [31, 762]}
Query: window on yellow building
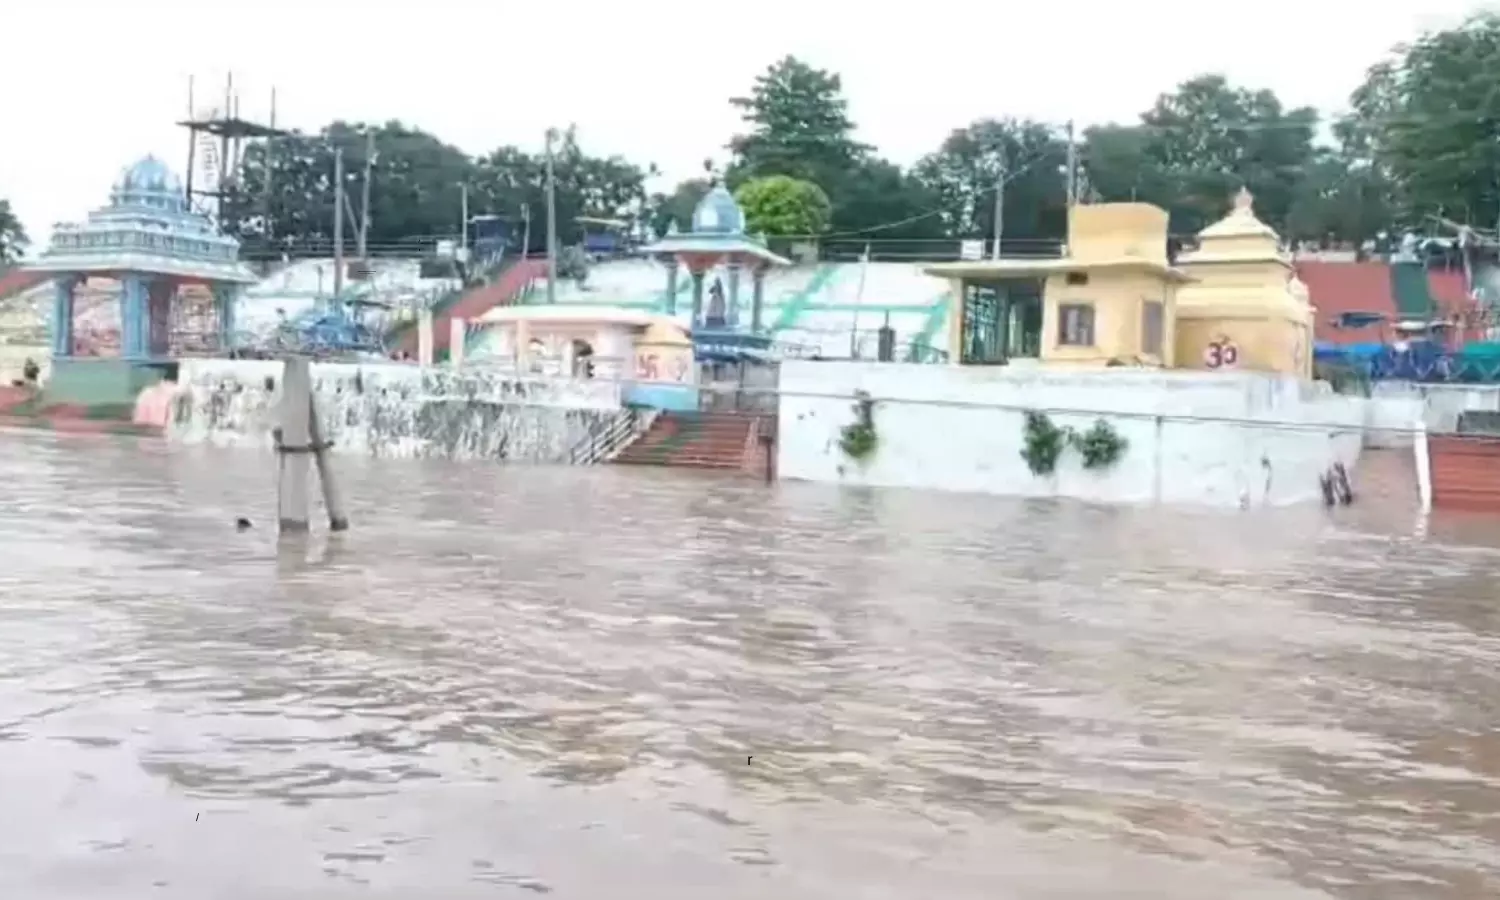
{"type": "Point", "coordinates": [1151, 327]}
{"type": "Point", "coordinates": [1075, 325]}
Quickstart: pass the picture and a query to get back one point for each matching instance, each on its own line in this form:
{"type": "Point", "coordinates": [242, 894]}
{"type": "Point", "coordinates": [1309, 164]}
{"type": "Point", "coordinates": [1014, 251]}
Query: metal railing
{"type": "Point", "coordinates": [606, 445]}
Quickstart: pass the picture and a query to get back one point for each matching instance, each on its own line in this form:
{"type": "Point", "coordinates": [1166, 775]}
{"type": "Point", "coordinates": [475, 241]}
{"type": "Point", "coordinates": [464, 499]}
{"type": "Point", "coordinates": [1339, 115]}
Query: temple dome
{"type": "Point", "coordinates": [149, 183]}
{"type": "Point", "coordinates": [717, 213]}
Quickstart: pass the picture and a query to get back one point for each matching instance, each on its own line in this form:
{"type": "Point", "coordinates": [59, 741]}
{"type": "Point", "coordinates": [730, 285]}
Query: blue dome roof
{"type": "Point", "coordinates": [717, 213]}
{"type": "Point", "coordinates": [149, 183]}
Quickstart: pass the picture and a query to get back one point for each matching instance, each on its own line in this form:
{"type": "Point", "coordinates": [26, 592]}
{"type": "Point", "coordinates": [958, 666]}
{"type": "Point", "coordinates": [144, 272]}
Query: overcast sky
{"type": "Point", "coordinates": [93, 84]}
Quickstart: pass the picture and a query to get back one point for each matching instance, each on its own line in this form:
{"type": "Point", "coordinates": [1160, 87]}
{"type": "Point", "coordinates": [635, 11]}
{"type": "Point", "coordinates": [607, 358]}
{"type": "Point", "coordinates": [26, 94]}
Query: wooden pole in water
{"type": "Point", "coordinates": [333, 498]}
{"type": "Point", "coordinates": [293, 441]}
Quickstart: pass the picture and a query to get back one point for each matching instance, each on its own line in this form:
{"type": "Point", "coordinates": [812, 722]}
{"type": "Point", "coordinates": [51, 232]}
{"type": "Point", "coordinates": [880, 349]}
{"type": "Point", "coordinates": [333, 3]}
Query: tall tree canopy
{"type": "Point", "coordinates": [1429, 120]}
{"type": "Point", "coordinates": [1421, 139]}
{"type": "Point", "coordinates": [12, 235]}
{"type": "Point", "coordinates": [417, 184]}
{"type": "Point", "coordinates": [964, 173]}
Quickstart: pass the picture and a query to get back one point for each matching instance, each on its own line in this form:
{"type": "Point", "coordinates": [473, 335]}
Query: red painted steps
{"type": "Point", "coordinates": [476, 302]}
{"type": "Point", "coordinates": [18, 280]}
{"type": "Point", "coordinates": [724, 441]}
{"type": "Point", "coordinates": [1336, 288]}
{"type": "Point", "coordinates": [1465, 472]}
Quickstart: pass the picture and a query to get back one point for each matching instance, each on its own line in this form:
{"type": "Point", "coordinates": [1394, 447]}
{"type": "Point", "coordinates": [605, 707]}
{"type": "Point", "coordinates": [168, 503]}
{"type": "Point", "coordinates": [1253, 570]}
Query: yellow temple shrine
{"type": "Point", "coordinates": [1115, 299]}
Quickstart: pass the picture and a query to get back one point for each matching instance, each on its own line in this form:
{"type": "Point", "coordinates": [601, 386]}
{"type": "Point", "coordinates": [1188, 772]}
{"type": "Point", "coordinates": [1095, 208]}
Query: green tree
{"type": "Point", "coordinates": [963, 173]}
{"type": "Point", "coordinates": [12, 236]}
{"type": "Point", "coordinates": [1429, 119]}
{"type": "Point", "coordinates": [1208, 138]}
{"type": "Point", "coordinates": [512, 183]}
{"type": "Point", "coordinates": [415, 188]}
{"type": "Point", "coordinates": [417, 184]}
{"type": "Point", "coordinates": [799, 126]}
{"type": "Point", "coordinates": [877, 200]}
{"type": "Point", "coordinates": [782, 206]}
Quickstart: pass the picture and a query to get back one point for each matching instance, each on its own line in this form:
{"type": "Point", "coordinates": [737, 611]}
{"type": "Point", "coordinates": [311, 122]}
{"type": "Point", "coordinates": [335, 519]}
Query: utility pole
{"type": "Point", "coordinates": [1072, 167]}
{"type": "Point", "coordinates": [525, 230]}
{"type": "Point", "coordinates": [338, 224]}
{"type": "Point", "coordinates": [463, 212]}
{"type": "Point", "coordinates": [551, 222]}
{"type": "Point", "coordinates": [364, 204]}
{"type": "Point", "coordinates": [1000, 199]}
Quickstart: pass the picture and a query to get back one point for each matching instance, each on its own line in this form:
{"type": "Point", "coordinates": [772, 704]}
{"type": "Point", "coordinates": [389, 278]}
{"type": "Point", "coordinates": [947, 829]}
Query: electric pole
{"type": "Point", "coordinates": [525, 230]}
{"type": "Point", "coordinates": [463, 211]}
{"type": "Point", "coordinates": [1072, 167]}
{"type": "Point", "coordinates": [338, 223]}
{"type": "Point", "coordinates": [1000, 199]}
{"type": "Point", "coordinates": [364, 203]}
{"type": "Point", "coordinates": [551, 222]}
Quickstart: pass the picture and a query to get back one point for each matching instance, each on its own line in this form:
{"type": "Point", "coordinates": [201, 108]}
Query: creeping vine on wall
{"type": "Point", "coordinates": [859, 439]}
{"type": "Point", "coordinates": [1044, 441]}
{"type": "Point", "coordinates": [1101, 446]}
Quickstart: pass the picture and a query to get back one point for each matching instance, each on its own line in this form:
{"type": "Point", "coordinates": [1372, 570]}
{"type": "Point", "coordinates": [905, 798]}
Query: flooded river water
{"type": "Point", "coordinates": [619, 683]}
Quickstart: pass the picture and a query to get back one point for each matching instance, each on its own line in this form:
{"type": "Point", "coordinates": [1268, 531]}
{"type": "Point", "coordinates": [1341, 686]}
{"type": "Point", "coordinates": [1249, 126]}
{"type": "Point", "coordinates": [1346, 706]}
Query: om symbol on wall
{"type": "Point", "coordinates": [1221, 354]}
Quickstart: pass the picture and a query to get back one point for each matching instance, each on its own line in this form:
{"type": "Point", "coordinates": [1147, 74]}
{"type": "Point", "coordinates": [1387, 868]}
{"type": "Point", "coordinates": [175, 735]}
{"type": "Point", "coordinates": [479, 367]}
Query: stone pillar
{"type": "Point", "coordinates": [697, 319]}
{"type": "Point", "coordinates": [160, 293]}
{"type": "Point", "coordinates": [458, 335]}
{"type": "Point", "coordinates": [732, 300]}
{"type": "Point", "coordinates": [424, 337]}
{"type": "Point", "coordinates": [757, 298]}
{"type": "Point", "coordinates": [62, 316]}
{"type": "Point", "coordinates": [133, 313]}
{"type": "Point", "coordinates": [225, 298]}
{"type": "Point", "coordinates": [673, 267]}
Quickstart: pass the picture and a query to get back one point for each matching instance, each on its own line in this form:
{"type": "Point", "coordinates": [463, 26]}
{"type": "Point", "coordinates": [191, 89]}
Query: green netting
{"type": "Point", "coordinates": [1411, 291]}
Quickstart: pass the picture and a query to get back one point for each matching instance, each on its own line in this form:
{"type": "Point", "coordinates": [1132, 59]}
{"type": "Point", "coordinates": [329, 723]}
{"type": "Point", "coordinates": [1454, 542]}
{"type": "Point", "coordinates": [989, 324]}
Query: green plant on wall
{"type": "Point", "coordinates": [1044, 443]}
{"type": "Point", "coordinates": [858, 439]}
{"type": "Point", "coordinates": [1100, 446]}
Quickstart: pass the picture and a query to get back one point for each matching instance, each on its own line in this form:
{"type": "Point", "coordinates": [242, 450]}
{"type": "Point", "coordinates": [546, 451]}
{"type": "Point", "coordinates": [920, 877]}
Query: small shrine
{"type": "Point", "coordinates": [171, 275]}
{"type": "Point", "coordinates": [1109, 301]}
{"type": "Point", "coordinates": [1245, 308]}
{"type": "Point", "coordinates": [717, 252]}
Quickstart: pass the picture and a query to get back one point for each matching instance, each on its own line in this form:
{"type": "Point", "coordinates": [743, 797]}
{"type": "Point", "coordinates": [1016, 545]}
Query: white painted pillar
{"type": "Point", "coordinates": [424, 337]}
{"type": "Point", "coordinates": [458, 334]}
{"type": "Point", "coordinates": [293, 442]}
{"type": "Point", "coordinates": [1424, 467]}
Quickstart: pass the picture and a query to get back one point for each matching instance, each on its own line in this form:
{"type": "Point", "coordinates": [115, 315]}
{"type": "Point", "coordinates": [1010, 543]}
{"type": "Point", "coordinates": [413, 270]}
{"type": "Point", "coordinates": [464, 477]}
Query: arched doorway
{"type": "Point", "coordinates": [583, 358]}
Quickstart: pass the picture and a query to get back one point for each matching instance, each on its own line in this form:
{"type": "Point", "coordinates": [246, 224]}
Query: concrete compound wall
{"type": "Point", "coordinates": [1208, 438]}
{"type": "Point", "coordinates": [1397, 408]}
{"type": "Point", "coordinates": [394, 410]}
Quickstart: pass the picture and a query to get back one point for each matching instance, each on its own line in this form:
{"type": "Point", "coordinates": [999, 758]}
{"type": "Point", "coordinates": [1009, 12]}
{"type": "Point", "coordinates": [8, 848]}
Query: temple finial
{"type": "Point", "coordinates": [1244, 201]}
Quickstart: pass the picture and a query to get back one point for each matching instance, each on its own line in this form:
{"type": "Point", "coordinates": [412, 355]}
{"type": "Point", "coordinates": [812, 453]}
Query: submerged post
{"type": "Point", "coordinates": [333, 498]}
{"type": "Point", "coordinates": [293, 441]}
{"type": "Point", "coordinates": [299, 439]}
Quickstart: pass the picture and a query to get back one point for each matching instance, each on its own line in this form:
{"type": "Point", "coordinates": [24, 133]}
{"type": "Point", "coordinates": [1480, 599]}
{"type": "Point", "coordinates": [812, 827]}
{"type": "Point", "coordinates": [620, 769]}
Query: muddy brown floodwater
{"type": "Point", "coordinates": [517, 682]}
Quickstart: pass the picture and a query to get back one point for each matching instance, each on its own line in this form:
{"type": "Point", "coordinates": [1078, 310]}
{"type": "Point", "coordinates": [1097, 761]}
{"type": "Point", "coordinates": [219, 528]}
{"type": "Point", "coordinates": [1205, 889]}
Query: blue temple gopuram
{"type": "Point", "coordinates": [170, 274]}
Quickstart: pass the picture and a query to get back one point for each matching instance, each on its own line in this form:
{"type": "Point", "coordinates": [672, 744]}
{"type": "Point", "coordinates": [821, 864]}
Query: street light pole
{"type": "Point", "coordinates": [551, 221]}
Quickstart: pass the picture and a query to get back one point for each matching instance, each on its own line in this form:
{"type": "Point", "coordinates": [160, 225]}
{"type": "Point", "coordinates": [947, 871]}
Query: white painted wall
{"type": "Point", "coordinates": [1397, 408]}
{"type": "Point", "coordinates": [1223, 439]}
{"type": "Point", "coordinates": [388, 409]}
